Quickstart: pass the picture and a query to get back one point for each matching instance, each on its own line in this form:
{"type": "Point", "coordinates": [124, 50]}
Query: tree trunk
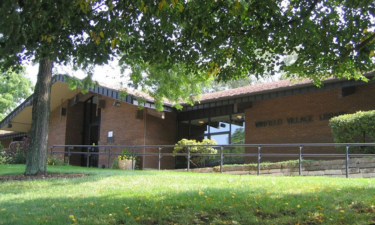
{"type": "Point", "coordinates": [37, 152]}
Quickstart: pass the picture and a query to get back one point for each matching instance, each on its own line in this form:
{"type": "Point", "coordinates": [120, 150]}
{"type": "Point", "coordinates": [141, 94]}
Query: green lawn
{"type": "Point", "coordinates": [151, 197]}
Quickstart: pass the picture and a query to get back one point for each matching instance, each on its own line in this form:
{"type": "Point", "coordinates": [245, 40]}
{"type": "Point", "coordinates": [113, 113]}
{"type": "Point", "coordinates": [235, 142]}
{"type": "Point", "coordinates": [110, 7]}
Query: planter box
{"type": "Point", "coordinates": [126, 164]}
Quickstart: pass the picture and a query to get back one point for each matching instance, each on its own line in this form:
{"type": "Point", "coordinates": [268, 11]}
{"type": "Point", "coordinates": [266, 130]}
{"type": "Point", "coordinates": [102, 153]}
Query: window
{"type": "Point", "coordinates": [228, 129]}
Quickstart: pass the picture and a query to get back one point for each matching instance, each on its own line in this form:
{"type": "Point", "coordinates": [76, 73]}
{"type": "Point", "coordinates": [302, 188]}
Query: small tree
{"type": "Point", "coordinates": [354, 128]}
{"type": "Point", "coordinates": [18, 150]}
{"type": "Point", "coordinates": [14, 87]}
{"type": "Point", "coordinates": [204, 146]}
{"type": "Point", "coordinates": [2, 157]}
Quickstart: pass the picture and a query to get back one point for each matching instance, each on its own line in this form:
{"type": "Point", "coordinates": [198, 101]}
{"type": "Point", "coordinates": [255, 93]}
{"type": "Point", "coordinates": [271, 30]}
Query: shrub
{"type": "Point", "coordinates": [2, 154]}
{"type": "Point", "coordinates": [53, 160]}
{"type": "Point", "coordinates": [196, 147]}
{"type": "Point", "coordinates": [16, 153]}
{"type": "Point", "coordinates": [125, 154]}
{"type": "Point", "coordinates": [115, 163]}
{"type": "Point", "coordinates": [354, 128]}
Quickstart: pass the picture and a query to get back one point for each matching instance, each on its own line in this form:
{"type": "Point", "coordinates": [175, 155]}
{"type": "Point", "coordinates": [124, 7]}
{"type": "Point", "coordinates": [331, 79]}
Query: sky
{"type": "Point", "coordinates": [108, 74]}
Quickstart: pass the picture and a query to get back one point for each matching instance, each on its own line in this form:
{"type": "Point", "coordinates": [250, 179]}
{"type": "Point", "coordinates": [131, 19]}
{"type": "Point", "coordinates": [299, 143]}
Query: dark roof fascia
{"type": "Point", "coordinates": [131, 99]}
{"type": "Point", "coordinates": [12, 135]}
{"type": "Point", "coordinates": [277, 92]}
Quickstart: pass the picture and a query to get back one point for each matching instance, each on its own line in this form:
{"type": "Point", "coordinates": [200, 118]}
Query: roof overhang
{"type": "Point", "coordinates": [10, 135]}
{"type": "Point", "coordinates": [297, 88]}
{"type": "Point", "coordinates": [19, 119]}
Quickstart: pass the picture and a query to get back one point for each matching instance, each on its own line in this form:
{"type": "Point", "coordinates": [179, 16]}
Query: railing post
{"type": "Point", "coordinates": [133, 157]}
{"type": "Point", "coordinates": [188, 159]}
{"type": "Point", "coordinates": [68, 155]}
{"type": "Point", "coordinates": [347, 161]}
{"type": "Point", "coordinates": [109, 157]}
{"type": "Point", "coordinates": [221, 159]}
{"type": "Point", "coordinates": [88, 156]}
{"type": "Point", "coordinates": [259, 156]}
{"type": "Point", "coordinates": [300, 160]}
{"type": "Point", "coordinates": [159, 158]}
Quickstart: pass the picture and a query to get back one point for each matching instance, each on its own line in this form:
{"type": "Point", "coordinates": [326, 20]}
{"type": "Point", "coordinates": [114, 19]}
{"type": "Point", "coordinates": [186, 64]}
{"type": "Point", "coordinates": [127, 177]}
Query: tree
{"type": "Point", "coordinates": [80, 33]}
{"type": "Point", "coordinates": [189, 41]}
{"type": "Point", "coordinates": [53, 32]}
{"type": "Point", "coordinates": [13, 89]}
{"type": "Point", "coordinates": [234, 39]}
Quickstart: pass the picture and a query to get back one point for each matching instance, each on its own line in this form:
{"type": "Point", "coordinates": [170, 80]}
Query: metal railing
{"type": "Point", "coordinates": [259, 147]}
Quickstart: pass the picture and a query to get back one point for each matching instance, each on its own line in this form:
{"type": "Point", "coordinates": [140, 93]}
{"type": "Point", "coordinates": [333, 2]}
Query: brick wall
{"type": "Point", "coordinates": [74, 128]}
{"type": "Point", "coordinates": [160, 132]}
{"type": "Point", "coordinates": [66, 130]}
{"type": "Point", "coordinates": [6, 142]}
{"type": "Point", "coordinates": [57, 129]}
{"type": "Point", "coordinates": [310, 108]}
{"type": "Point", "coordinates": [128, 130]}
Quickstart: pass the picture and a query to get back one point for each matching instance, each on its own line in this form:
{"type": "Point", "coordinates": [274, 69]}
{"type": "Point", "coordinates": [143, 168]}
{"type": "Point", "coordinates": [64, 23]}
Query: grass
{"type": "Point", "coordinates": [160, 197]}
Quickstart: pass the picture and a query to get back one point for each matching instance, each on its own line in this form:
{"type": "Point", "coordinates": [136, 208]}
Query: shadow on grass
{"type": "Point", "coordinates": [124, 200]}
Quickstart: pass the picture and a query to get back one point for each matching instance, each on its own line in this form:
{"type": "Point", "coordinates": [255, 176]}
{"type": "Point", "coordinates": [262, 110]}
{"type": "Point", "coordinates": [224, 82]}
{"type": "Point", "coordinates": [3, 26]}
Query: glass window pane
{"type": "Point", "coordinates": [221, 139]}
{"type": "Point", "coordinates": [238, 129]}
{"type": "Point", "coordinates": [219, 124]}
{"type": "Point", "coordinates": [183, 130]}
{"type": "Point", "coordinates": [199, 127]}
{"type": "Point", "coordinates": [237, 137]}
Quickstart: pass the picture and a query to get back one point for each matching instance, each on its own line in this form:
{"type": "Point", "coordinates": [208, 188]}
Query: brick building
{"type": "Point", "coordinates": [277, 112]}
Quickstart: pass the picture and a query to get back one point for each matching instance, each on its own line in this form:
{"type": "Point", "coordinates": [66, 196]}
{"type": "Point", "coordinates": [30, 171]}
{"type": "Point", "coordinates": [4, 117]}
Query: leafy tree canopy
{"type": "Point", "coordinates": [173, 44]}
{"type": "Point", "coordinates": [194, 41]}
{"type": "Point", "coordinates": [14, 87]}
{"type": "Point", "coordinates": [233, 39]}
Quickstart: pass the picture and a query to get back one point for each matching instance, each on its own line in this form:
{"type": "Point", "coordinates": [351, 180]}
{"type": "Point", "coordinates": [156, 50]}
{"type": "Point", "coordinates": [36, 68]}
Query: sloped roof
{"type": "Point", "coordinates": [254, 88]}
{"type": "Point", "coordinates": [282, 85]}
{"type": "Point", "coordinates": [236, 95]}
{"type": "Point", "coordinates": [20, 117]}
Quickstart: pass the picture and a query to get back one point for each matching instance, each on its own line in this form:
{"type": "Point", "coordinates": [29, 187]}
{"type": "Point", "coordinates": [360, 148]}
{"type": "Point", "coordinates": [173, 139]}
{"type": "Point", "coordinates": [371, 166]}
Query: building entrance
{"type": "Point", "coordinates": [91, 131]}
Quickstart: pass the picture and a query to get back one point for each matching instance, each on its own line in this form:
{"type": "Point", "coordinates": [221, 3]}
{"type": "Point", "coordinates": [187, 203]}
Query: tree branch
{"type": "Point", "coordinates": [356, 48]}
{"type": "Point", "coordinates": [304, 14]}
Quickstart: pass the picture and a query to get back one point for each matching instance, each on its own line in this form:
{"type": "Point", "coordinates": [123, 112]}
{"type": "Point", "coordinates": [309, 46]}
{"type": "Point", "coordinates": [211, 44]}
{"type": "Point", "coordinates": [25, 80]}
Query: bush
{"type": "Point", "coordinates": [2, 154]}
{"type": "Point", "coordinates": [125, 154]}
{"type": "Point", "coordinates": [19, 150]}
{"type": "Point", "coordinates": [201, 147]}
{"type": "Point", "coordinates": [53, 160]}
{"type": "Point", "coordinates": [354, 128]}
{"type": "Point", "coordinates": [16, 153]}
{"type": "Point", "coordinates": [115, 163]}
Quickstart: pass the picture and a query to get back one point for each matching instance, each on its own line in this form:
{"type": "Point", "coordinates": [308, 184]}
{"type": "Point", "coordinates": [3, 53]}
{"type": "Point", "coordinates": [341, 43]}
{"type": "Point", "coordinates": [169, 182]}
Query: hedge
{"type": "Point", "coordinates": [358, 127]}
{"type": "Point", "coordinates": [197, 147]}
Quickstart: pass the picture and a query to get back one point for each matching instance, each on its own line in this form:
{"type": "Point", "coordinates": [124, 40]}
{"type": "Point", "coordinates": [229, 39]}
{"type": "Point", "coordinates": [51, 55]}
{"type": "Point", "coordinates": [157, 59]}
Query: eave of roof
{"type": "Point", "coordinates": [270, 90]}
{"type": "Point", "coordinates": [99, 89]}
{"type": "Point", "coordinates": [281, 85]}
{"type": "Point", "coordinates": [11, 134]}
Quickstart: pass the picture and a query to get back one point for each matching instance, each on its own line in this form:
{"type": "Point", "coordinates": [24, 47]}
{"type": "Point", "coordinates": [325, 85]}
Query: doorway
{"type": "Point", "coordinates": [91, 131]}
